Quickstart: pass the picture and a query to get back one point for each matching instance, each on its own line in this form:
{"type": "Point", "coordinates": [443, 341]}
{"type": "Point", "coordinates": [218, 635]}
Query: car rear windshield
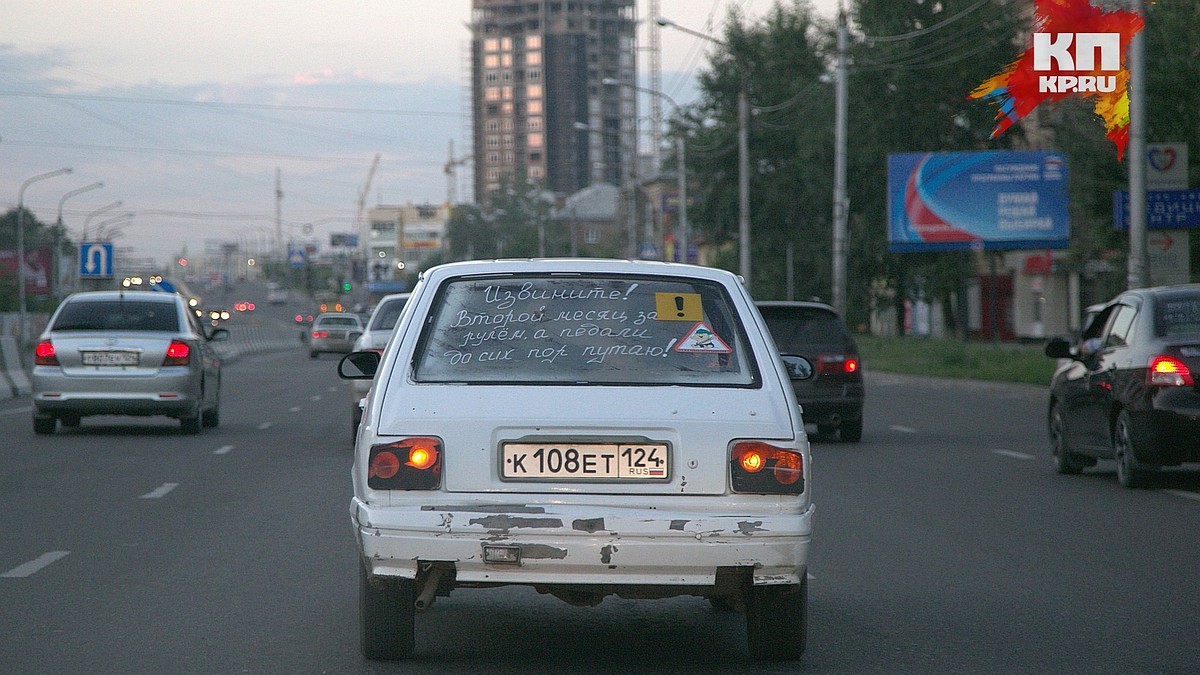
{"type": "Point", "coordinates": [1178, 315]}
{"type": "Point", "coordinates": [796, 327]}
{"type": "Point", "coordinates": [118, 315]}
{"type": "Point", "coordinates": [575, 329]}
{"type": "Point", "coordinates": [388, 313]}
{"type": "Point", "coordinates": [338, 321]}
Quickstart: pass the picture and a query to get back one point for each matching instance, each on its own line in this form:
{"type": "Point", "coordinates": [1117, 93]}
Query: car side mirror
{"type": "Point", "coordinates": [798, 367]}
{"type": "Point", "coordinates": [218, 335]}
{"type": "Point", "coordinates": [358, 365]}
{"type": "Point", "coordinates": [1059, 348]}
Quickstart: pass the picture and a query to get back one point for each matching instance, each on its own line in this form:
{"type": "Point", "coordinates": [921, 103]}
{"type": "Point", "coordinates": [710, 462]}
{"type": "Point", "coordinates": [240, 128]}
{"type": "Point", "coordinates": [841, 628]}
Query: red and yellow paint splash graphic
{"type": "Point", "coordinates": [1024, 84]}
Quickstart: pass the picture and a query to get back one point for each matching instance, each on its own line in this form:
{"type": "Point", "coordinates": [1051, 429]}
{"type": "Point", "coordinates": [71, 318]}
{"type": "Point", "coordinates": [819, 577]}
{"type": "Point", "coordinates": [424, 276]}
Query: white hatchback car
{"type": "Point", "coordinates": [584, 427]}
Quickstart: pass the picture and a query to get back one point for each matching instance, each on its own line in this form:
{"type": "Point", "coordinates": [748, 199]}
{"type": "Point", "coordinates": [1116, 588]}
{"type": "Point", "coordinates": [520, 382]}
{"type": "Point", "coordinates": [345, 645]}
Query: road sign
{"type": "Point", "coordinates": [95, 260]}
{"type": "Point", "coordinates": [296, 257]}
{"type": "Point", "coordinates": [1165, 209]}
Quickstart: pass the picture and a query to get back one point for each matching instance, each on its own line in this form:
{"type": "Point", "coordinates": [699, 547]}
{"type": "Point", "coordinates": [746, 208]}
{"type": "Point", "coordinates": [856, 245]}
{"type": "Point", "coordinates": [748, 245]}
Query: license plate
{"type": "Point", "coordinates": [585, 461]}
{"type": "Point", "coordinates": [110, 358]}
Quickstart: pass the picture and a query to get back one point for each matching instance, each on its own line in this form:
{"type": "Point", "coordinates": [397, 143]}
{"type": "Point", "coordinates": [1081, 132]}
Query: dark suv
{"type": "Point", "coordinates": [833, 398]}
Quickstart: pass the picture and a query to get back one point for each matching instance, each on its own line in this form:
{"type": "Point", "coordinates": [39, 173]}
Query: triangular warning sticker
{"type": "Point", "coordinates": [700, 339]}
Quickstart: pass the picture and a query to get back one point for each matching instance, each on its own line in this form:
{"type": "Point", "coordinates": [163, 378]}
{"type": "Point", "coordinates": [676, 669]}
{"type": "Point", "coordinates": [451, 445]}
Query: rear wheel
{"type": "Point", "coordinates": [1065, 461]}
{"type": "Point", "coordinates": [1130, 472]}
{"type": "Point", "coordinates": [44, 424]}
{"type": "Point", "coordinates": [777, 621]}
{"type": "Point", "coordinates": [387, 616]}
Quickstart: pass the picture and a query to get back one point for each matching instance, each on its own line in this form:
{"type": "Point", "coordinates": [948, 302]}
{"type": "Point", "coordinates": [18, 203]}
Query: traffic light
{"type": "Point", "coordinates": [347, 286]}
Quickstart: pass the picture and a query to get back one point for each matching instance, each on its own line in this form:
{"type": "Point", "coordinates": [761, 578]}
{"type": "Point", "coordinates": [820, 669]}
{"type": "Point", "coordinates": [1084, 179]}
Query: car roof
{"type": "Point", "coordinates": [333, 315]}
{"type": "Point", "coordinates": [98, 296]}
{"type": "Point", "coordinates": [576, 266]}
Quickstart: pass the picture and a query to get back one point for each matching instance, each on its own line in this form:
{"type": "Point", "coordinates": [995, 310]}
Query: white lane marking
{"type": "Point", "coordinates": [31, 567]}
{"type": "Point", "coordinates": [1183, 493]}
{"type": "Point", "coordinates": [1014, 454]}
{"type": "Point", "coordinates": [317, 397]}
{"type": "Point", "coordinates": [810, 576]}
{"type": "Point", "coordinates": [264, 425]}
{"type": "Point", "coordinates": [160, 491]}
{"type": "Point", "coordinates": [222, 450]}
{"type": "Point", "coordinates": [17, 411]}
{"type": "Point", "coordinates": [333, 389]}
{"type": "Point", "coordinates": [294, 408]}
{"type": "Point", "coordinates": [903, 430]}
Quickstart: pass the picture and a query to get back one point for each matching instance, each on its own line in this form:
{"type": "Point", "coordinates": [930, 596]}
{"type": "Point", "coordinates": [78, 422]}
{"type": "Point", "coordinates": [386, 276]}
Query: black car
{"type": "Point", "coordinates": [833, 398]}
{"type": "Point", "coordinates": [1125, 390]}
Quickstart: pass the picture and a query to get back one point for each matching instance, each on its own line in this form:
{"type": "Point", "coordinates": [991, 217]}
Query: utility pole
{"type": "Point", "coordinates": [839, 169]}
{"type": "Point", "coordinates": [1137, 272]}
{"type": "Point", "coordinates": [279, 215]}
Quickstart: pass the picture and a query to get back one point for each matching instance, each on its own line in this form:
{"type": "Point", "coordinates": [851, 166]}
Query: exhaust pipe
{"type": "Point", "coordinates": [429, 590]}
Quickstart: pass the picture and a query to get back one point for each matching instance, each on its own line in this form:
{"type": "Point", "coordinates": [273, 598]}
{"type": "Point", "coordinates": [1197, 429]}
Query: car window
{"type": "Point", "coordinates": [1178, 315]}
{"type": "Point", "coordinates": [388, 313]}
{"type": "Point", "coordinates": [118, 315]}
{"type": "Point", "coordinates": [1119, 328]}
{"type": "Point", "coordinates": [581, 330]}
{"type": "Point", "coordinates": [794, 327]}
{"type": "Point", "coordinates": [339, 321]}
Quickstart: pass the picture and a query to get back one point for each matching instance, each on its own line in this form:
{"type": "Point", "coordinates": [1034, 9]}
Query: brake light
{"type": "Point", "coordinates": [836, 364]}
{"type": "Point", "coordinates": [320, 334]}
{"type": "Point", "coordinates": [764, 468]}
{"type": "Point", "coordinates": [1168, 372]}
{"type": "Point", "coordinates": [413, 463]}
{"type": "Point", "coordinates": [178, 354]}
{"type": "Point", "coordinates": [43, 354]}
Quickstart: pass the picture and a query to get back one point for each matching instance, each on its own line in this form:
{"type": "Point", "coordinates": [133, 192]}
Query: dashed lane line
{"type": "Point", "coordinates": [224, 449]}
{"type": "Point", "coordinates": [264, 426]}
{"type": "Point", "coordinates": [1014, 454]}
{"type": "Point", "coordinates": [160, 491]}
{"type": "Point", "coordinates": [33, 566]}
{"type": "Point", "coordinates": [294, 409]}
{"type": "Point", "coordinates": [316, 397]}
{"type": "Point", "coordinates": [903, 430]}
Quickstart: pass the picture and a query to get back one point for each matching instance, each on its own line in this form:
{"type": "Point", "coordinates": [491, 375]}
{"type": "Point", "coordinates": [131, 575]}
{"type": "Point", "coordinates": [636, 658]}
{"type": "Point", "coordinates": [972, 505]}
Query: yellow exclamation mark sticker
{"type": "Point", "coordinates": [678, 307]}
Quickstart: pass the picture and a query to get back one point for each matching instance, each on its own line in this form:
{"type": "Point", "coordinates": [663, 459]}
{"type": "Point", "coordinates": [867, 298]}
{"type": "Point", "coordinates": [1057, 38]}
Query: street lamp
{"type": "Point", "coordinates": [58, 230]}
{"type": "Point", "coordinates": [103, 209]}
{"type": "Point", "coordinates": [21, 244]}
{"type": "Point", "coordinates": [682, 228]}
{"type": "Point", "coordinates": [743, 113]}
{"type": "Point", "coordinates": [103, 234]}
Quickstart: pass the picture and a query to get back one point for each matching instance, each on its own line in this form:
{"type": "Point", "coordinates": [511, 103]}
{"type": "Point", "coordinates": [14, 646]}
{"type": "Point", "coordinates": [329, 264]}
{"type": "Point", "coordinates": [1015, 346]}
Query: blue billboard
{"type": "Point", "coordinates": [990, 200]}
{"type": "Point", "coordinates": [1165, 209]}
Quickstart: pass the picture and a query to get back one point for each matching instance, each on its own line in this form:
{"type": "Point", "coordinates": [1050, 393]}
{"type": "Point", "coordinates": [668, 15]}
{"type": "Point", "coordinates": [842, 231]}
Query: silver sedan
{"type": "Point", "coordinates": [126, 353]}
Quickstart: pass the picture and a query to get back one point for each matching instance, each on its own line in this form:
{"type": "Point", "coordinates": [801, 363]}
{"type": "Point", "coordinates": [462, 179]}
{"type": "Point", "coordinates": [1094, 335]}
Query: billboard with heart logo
{"type": "Point", "coordinates": [1166, 166]}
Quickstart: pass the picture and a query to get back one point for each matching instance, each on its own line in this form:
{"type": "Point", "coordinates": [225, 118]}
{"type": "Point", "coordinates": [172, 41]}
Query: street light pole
{"type": "Point", "coordinates": [21, 246]}
{"type": "Point", "coordinates": [55, 291]}
{"type": "Point", "coordinates": [839, 170]}
{"type": "Point", "coordinates": [103, 209]}
{"type": "Point", "coordinates": [743, 137]}
{"type": "Point", "coordinates": [682, 228]}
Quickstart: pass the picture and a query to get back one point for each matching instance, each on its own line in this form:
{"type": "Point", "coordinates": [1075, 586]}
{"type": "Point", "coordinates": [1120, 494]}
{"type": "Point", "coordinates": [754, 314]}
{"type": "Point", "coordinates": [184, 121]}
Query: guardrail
{"type": "Point", "coordinates": [13, 379]}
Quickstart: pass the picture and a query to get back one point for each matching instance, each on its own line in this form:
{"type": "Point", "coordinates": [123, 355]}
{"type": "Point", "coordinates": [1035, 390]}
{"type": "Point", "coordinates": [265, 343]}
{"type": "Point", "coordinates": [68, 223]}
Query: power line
{"type": "Point", "coordinates": [219, 105]}
{"type": "Point", "coordinates": [930, 29]}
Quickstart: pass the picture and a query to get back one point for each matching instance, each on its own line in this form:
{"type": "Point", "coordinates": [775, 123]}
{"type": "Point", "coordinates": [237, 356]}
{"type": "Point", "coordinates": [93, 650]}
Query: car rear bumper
{"type": "Point", "coordinates": [162, 394]}
{"type": "Point", "coordinates": [1167, 436]}
{"type": "Point", "coordinates": [581, 544]}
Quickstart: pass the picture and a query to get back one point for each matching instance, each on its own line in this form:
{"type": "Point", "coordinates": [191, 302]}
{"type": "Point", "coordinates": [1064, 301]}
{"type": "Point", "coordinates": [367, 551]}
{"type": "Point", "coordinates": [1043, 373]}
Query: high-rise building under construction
{"type": "Point", "coordinates": [541, 111]}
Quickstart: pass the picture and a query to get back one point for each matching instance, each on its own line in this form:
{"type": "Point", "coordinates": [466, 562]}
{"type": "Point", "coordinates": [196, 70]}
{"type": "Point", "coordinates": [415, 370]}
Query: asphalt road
{"type": "Point", "coordinates": [945, 544]}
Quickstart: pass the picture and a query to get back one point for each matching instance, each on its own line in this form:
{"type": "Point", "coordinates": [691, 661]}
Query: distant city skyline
{"type": "Point", "coordinates": [185, 110]}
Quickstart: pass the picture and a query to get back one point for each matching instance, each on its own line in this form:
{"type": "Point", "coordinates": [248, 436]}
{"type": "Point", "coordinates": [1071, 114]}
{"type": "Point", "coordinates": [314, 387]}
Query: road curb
{"type": "Point", "coordinates": [15, 382]}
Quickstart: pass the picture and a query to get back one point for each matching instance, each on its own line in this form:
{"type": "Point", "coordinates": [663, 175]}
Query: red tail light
{"type": "Point", "coordinates": [836, 364]}
{"type": "Point", "coordinates": [1166, 371]}
{"type": "Point", "coordinates": [414, 463]}
{"type": "Point", "coordinates": [178, 354]}
{"type": "Point", "coordinates": [763, 468]}
{"type": "Point", "coordinates": [320, 334]}
{"type": "Point", "coordinates": [43, 354]}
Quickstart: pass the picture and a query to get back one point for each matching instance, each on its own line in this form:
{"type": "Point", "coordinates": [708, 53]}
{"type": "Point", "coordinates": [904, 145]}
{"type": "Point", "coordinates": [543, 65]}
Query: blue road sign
{"type": "Point", "coordinates": [296, 257]}
{"type": "Point", "coordinates": [1165, 209]}
{"type": "Point", "coordinates": [95, 260]}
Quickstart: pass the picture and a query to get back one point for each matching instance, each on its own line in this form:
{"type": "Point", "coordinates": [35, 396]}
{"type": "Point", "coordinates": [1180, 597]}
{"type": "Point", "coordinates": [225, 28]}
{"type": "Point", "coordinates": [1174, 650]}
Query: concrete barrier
{"type": "Point", "coordinates": [15, 381]}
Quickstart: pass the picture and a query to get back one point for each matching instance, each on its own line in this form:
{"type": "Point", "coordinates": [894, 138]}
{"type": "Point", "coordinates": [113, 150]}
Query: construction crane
{"type": "Point", "coordinates": [451, 170]}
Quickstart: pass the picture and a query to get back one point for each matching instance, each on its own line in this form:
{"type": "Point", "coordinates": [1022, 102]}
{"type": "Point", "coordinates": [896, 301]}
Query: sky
{"type": "Point", "coordinates": [188, 110]}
